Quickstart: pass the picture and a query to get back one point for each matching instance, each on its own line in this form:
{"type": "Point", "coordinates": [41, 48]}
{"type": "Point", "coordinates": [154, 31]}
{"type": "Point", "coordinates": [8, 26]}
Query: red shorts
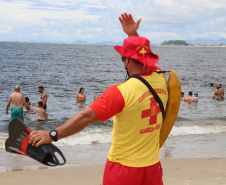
{"type": "Point", "coordinates": [117, 174]}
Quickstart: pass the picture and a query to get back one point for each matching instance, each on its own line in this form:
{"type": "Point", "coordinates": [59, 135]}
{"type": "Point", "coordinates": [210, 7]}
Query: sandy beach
{"type": "Point", "coordinates": [203, 171]}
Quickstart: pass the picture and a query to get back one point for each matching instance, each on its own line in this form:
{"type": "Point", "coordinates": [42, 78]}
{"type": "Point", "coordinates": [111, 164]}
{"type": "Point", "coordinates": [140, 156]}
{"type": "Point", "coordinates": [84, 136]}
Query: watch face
{"type": "Point", "coordinates": [53, 133]}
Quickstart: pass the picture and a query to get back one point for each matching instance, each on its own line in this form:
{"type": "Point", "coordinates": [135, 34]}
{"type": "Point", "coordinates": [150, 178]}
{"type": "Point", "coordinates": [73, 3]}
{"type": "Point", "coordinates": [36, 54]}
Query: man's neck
{"type": "Point", "coordinates": [138, 69]}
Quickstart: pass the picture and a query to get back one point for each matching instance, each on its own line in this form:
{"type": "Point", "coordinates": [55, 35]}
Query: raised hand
{"type": "Point", "coordinates": [129, 26]}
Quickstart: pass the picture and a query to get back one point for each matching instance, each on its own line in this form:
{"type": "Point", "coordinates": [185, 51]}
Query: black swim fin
{"type": "Point", "coordinates": [18, 142]}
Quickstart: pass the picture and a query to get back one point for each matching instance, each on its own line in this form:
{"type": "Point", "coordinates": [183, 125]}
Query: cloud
{"type": "Point", "coordinates": [94, 21]}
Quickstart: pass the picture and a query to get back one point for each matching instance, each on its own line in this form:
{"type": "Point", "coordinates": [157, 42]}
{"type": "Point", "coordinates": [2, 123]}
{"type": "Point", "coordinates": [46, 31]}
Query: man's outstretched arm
{"type": "Point", "coordinates": [77, 123]}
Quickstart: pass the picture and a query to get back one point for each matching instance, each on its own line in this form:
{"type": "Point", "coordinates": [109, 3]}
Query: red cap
{"type": "Point", "coordinates": [138, 48]}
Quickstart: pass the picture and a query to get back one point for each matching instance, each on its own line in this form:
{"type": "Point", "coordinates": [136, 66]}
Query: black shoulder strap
{"type": "Point", "coordinates": [152, 91]}
{"type": "Point", "coordinates": [159, 72]}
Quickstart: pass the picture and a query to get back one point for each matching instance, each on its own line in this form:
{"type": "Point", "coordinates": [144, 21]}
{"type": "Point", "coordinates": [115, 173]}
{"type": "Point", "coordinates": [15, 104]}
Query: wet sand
{"type": "Point", "coordinates": [203, 171]}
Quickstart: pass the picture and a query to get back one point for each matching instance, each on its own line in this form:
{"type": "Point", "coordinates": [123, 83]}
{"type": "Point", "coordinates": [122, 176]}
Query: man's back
{"type": "Point", "coordinates": [137, 120]}
{"type": "Point", "coordinates": [17, 99]}
{"type": "Point", "coordinates": [189, 99]}
{"type": "Point", "coordinates": [135, 138]}
{"type": "Point", "coordinates": [217, 94]}
{"type": "Point", "coordinates": [41, 113]}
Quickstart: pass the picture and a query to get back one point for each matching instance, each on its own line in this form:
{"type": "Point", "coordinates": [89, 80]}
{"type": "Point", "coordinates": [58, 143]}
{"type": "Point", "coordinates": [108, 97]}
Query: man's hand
{"type": "Point", "coordinates": [6, 112]}
{"type": "Point", "coordinates": [40, 137]}
{"type": "Point", "coordinates": [129, 26]}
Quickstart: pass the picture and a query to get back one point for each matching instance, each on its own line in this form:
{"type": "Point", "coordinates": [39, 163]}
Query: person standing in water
{"type": "Point", "coordinates": [81, 97]}
{"type": "Point", "coordinates": [182, 95]}
{"type": "Point", "coordinates": [190, 99]}
{"type": "Point", "coordinates": [95, 97]}
{"type": "Point", "coordinates": [221, 89]}
{"type": "Point", "coordinates": [43, 98]}
{"type": "Point", "coordinates": [25, 108]}
{"type": "Point", "coordinates": [217, 95]}
{"type": "Point", "coordinates": [17, 99]}
{"type": "Point", "coordinates": [41, 112]}
{"type": "Point", "coordinates": [196, 96]}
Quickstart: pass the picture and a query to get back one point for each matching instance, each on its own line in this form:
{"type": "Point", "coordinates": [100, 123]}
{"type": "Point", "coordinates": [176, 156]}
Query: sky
{"type": "Point", "coordinates": [97, 20]}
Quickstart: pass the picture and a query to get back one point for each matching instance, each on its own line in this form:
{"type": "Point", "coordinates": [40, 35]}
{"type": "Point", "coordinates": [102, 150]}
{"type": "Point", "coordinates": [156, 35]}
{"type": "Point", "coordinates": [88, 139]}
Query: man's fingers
{"type": "Point", "coordinates": [32, 134]}
{"type": "Point", "coordinates": [138, 21]}
{"type": "Point", "coordinates": [39, 143]}
{"type": "Point", "coordinates": [39, 137]}
{"type": "Point", "coordinates": [121, 21]}
{"type": "Point", "coordinates": [33, 137]}
{"type": "Point", "coordinates": [34, 140]}
{"type": "Point", "coordinates": [123, 18]}
{"type": "Point", "coordinates": [126, 17]}
{"type": "Point", "coordinates": [131, 17]}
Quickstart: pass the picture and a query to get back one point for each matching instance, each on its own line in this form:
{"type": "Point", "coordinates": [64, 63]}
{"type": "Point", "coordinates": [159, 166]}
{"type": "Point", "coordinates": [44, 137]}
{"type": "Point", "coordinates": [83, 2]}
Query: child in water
{"type": "Point", "coordinates": [41, 112]}
{"type": "Point", "coordinates": [25, 108]}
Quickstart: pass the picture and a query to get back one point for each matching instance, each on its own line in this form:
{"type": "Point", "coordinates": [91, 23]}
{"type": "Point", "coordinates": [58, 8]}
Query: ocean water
{"type": "Point", "coordinates": [199, 131]}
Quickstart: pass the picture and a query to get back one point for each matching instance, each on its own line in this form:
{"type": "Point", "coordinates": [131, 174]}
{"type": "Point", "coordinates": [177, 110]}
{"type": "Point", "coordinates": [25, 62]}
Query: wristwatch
{"type": "Point", "coordinates": [53, 134]}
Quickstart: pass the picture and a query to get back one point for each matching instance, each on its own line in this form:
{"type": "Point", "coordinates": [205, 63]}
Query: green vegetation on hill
{"type": "Point", "coordinates": [175, 42]}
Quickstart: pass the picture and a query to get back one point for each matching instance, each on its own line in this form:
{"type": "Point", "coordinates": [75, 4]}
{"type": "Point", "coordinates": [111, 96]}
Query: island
{"type": "Point", "coordinates": [175, 43]}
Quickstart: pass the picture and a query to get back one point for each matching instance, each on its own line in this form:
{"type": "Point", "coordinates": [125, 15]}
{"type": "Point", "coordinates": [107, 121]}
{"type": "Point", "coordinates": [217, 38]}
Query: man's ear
{"type": "Point", "coordinates": [127, 61]}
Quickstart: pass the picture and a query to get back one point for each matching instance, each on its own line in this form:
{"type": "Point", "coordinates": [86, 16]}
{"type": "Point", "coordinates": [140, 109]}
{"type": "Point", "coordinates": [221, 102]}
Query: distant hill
{"type": "Point", "coordinates": [175, 42]}
{"type": "Point", "coordinates": [109, 43]}
{"type": "Point", "coordinates": [80, 42]}
{"type": "Point", "coordinates": [101, 43]}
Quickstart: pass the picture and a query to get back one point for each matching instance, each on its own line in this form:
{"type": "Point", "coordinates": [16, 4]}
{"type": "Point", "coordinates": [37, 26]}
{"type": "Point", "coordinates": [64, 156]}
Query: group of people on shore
{"type": "Point", "coordinates": [21, 104]}
{"type": "Point", "coordinates": [217, 95]}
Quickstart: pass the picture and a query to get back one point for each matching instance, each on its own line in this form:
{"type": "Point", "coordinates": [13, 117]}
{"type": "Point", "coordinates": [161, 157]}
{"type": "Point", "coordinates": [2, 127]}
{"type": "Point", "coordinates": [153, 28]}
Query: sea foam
{"type": "Point", "coordinates": [195, 130]}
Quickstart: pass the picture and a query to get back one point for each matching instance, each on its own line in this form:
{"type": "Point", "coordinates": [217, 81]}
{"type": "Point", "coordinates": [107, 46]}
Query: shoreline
{"type": "Point", "coordinates": [187, 171]}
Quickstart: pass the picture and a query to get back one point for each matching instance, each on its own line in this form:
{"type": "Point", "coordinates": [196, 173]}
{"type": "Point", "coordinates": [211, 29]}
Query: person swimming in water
{"type": "Point", "coordinates": [81, 97]}
{"type": "Point", "coordinates": [212, 84]}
